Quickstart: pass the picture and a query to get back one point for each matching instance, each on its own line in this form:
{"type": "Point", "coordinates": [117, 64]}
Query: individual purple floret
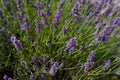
{"type": "Point", "coordinates": [5, 77]}
{"type": "Point", "coordinates": [117, 72]}
{"type": "Point", "coordinates": [53, 69]}
{"type": "Point", "coordinates": [1, 14]}
{"type": "Point", "coordinates": [106, 64]}
{"type": "Point", "coordinates": [31, 76]}
{"type": "Point", "coordinates": [64, 31]}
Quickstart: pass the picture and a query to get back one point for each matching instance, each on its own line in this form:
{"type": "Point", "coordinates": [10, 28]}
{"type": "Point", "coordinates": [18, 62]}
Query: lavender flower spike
{"type": "Point", "coordinates": [18, 45]}
{"type": "Point", "coordinates": [5, 77]}
{"type": "Point", "coordinates": [64, 30]}
{"type": "Point", "coordinates": [53, 69]}
{"type": "Point", "coordinates": [106, 65]}
{"type": "Point", "coordinates": [1, 14]}
{"type": "Point", "coordinates": [38, 25]}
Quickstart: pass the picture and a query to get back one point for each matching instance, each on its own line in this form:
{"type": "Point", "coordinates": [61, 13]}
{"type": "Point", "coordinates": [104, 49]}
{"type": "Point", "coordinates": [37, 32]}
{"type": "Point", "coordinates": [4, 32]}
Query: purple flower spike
{"type": "Point", "coordinates": [64, 30]}
{"type": "Point", "coordinates": [61, 4]}
{"type": "Point", "coordinates": [53, 69]}
{"type": "Point", "coordinates": [42, 13]}
{"type": "Point", "coordinates": [91, 56]}
{"type": "Point", "coordinates": [26, 26]}
{"type": "Point", "coordinates": [57, 17]}
{"type": "Point", "coordinates": [19, 16]}
{"type": "Point", "coordinates": [76, 8]}
{"type": "Point", "coordinates": [12, 38]}
{"type": "Point", "coordinates": [1, 14]}
{"type": "Point", "coordinates": [44, 20]}
{"type": "Point", "coordinates": [19, 4]}
{"type": "Point", "coordinates": [106, 65]}
{"type": "Point", "coordinates": [71, 42]}
{"type": "Point", "coordinates": [5, 77]}
{"type": "Point", "coordinates": [18, 45]}
{"type": "Point", "coordinates": [39, 5]}
{"type": "Point", "coordinates": [38, 25]}
{"type": "Point", "coordinates": [31, 76]}
{"type": "Point", "coordinates": [42, 77]}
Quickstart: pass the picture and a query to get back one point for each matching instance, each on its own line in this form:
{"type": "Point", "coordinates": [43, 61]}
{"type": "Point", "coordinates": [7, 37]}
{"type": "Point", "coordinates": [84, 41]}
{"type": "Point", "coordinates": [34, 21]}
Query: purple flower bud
{"type": "Point", "coordinates": [106, 64]}
{"type": "Point", "coordinates": [31, 76]}
{"type": "Point", "coordinates": [48, 44]}
{"type": "Point", "coordinates": [11, 15]}
{"type": "Point", "coordinates": [1, 14]}
{"type": "Point", "coordinates": [117, 72]}
{"type": "Point", "coordinates": [5, 77]}
{"type": "Point", "coordinates": [44, 59]}
{"type": "Point", "coordinates": [9, 78]}
{"type": "Point", "coordinates": [42, 77]}
{"type": "Point", "coordinates": [35, 68]}
{"type": "Point", "coordinates": [34, 60]}
{"type": "Point", "coordinates": [4, 23]}
{"type": "Point", "coordinates": [34, 44]}
{"type": "Point", "coordinates": [22, 63]}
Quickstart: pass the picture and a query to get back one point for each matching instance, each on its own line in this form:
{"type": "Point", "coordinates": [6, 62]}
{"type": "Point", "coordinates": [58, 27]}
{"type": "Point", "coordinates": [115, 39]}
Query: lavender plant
{"type": "Point", "coordinates": [59, 40]}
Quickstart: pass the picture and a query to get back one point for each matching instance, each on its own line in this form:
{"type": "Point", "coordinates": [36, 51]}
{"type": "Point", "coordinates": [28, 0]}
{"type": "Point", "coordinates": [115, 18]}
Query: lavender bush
{"type": "Point", "coordinates": [59, 40]}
